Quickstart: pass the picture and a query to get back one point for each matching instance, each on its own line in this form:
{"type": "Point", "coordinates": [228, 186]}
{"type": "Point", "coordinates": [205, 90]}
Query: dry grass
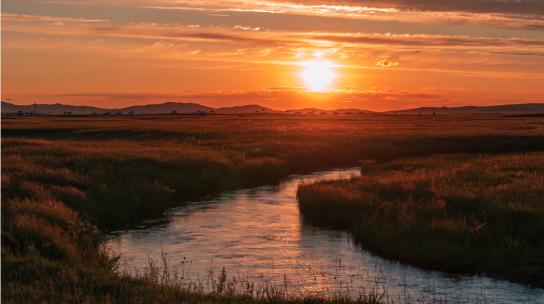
{"type": "Point", "coordinates": [457, 213]}
{"type": "Point", "coordinates": [63, 177]}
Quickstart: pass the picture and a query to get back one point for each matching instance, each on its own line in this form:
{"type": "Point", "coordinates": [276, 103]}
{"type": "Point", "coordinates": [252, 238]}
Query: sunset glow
{"type": "Point", "coordinates": [394, 54]}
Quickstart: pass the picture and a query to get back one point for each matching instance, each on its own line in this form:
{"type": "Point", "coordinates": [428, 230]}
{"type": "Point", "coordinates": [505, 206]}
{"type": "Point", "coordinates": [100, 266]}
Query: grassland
{"type": "Point", "coordinates": [67, 180]}
{"type": "Point", "coordinates": [459, 213]}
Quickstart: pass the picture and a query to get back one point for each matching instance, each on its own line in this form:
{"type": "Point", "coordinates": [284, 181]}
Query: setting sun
{"type": "Point", "coordinates": [318, 75]}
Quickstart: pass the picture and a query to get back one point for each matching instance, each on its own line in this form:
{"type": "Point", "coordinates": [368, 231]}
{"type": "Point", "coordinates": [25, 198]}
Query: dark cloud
{"type": "Point", "coordinates": [279, 39]}
{"type": "Point", "coordinates": [177, 33]}
{"type": "Point", "coordinates": [386, 63]}
{"type": "Point", "coordinates": [526, 7]}
{"type": "Point", "coordinates": [518, 14]}
{"type": "Point", "coordinates": [429, 40]}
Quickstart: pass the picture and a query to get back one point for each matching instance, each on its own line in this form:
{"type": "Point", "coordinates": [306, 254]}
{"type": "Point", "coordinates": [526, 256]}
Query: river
{"type": "Point", "coordinates": [258, 234]}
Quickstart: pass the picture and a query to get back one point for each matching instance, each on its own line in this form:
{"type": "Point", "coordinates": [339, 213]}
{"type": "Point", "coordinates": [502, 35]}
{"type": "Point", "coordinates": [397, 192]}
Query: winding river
{"type": "Point", "coordinates": [258, 234]}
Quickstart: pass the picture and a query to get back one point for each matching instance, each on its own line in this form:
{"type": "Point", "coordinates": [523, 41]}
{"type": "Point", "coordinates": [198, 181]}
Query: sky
{"type": "Point", "coordinates": [368, 54]}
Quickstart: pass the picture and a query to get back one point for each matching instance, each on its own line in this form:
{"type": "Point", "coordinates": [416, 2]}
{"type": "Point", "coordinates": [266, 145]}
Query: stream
{"type": "Point", "coordinates": [258, 234]}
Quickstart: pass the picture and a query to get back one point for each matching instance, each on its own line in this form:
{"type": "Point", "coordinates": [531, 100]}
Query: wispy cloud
{"type": "Point", "coordinates": [424, 40]}
{"type": "Point", "coordinates": [247, 28]}
{"type": "Point", "coordinates": [271, 38]}
{"type": "Point", "coordinates": [523, 14]}
{"type": "Point", "coordinates": [528, 14]}
{"type": "Point", "coordinates": [49, 19]}
{"type": "Point", "coordinates": [479, 6]}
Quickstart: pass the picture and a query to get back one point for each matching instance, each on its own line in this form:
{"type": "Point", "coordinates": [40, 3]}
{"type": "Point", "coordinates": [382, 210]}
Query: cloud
{"type": "Point", "coordinates": [426, 40]}
{"type": "Point", "coordinates": [360, 7]}
{"type": "Point", "coordinates": [386, 63]}
{"type": "Point", "coordinates": [527, 14]}
{"type": "Point", "coordinates": [247, 28]}
{"type": "Point", "coordinates": [254, 35]}
{"type": "Point", "coordinates": [49, 19]}
{"type": "Point", "coordinates": [529, 7]}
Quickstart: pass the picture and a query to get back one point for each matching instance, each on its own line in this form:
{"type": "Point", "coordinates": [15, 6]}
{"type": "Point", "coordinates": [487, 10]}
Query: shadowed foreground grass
{"type": "Point", "coordinates": [456, 213]}
{"type": "Point", "coordinates": [35, 280]}
{"type": "Point", "coordinates": [66, 180]}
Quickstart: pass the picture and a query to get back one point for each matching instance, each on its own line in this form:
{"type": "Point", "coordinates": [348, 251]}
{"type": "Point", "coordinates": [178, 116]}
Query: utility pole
{"type": "Point", "coordinates": [35, 108]}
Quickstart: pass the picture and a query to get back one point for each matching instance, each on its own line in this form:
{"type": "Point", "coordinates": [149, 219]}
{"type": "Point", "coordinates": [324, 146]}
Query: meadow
{"type": "Point", "coordinates": [67, 180]}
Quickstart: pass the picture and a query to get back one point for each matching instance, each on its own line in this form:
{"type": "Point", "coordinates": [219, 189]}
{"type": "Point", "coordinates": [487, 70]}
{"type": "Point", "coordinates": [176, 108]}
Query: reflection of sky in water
{"type": "Point", "coordinates": [258, 234]}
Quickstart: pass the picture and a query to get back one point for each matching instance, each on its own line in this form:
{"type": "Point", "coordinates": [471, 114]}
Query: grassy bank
{"type": "Point", "coordinates": [457, 213]}
{"type": "Point", "coordinates": [38, 280]}
{"type": "Point", "coordinates": [65, 180]}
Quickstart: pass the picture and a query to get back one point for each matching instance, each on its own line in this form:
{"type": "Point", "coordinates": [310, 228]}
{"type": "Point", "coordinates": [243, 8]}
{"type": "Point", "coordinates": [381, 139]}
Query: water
{"type": "Point", "coordinates": [258, 234]}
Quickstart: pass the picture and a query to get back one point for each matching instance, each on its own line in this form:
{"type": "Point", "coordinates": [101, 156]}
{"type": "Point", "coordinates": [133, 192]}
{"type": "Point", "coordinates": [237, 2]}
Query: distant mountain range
{"type": "Point", "coordinates": [56, 108]}
{"type": "Point", "coordinates": [526, 108]}
{"type": "Point", "coordinates": [162, 108]}
{"type": "Point", "coordinates": [188, 108]}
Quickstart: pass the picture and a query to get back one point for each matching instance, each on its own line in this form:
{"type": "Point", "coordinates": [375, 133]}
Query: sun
{"type": "Point", "coordinates": [318, 75]}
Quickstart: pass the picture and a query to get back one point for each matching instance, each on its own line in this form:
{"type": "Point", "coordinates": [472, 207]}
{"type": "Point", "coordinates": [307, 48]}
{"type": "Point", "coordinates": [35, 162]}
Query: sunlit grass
{"type": "Point", "coordinates": [456, 213]}
{"type": "Point", "coordinates": [62, 178]}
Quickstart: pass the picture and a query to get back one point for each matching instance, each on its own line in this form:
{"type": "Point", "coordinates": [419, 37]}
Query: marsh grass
{"type": "Point", "coordinates": [64, 177]}
{"type": "Point", "coordinates": [218, 282]}
{"type": "Point", "coordinates": [456, 213]}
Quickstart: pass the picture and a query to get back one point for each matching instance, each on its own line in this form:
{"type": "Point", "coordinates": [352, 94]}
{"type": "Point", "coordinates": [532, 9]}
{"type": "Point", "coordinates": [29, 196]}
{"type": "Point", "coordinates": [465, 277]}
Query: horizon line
{"type": "Point", "coordinates": [286, 110]}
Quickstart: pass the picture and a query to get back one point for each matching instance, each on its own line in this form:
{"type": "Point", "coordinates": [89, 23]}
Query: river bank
{"type": "Point", "coordinates": [460, 213]}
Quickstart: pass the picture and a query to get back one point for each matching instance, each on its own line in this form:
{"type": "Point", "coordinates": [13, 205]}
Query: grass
{"type": "Point", "coordinates": [459, 213]}
{"type": "Point", "coordinates": [32, 280]}
{"type": "Point", "coordinates": [67, 180]}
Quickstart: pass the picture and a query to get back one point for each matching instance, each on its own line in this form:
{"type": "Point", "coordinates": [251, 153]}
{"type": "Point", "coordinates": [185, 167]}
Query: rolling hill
{"type": "Point", "coordinates": [246, 109]}
{"type": "Point", "coordinates": [55, 109]}
{"type": "Point", "coordinates": [168, 107]}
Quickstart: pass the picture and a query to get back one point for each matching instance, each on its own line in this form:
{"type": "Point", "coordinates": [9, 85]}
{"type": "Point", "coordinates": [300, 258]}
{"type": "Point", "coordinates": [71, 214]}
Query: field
{"type": "Point", "coordinates": [67, 180]}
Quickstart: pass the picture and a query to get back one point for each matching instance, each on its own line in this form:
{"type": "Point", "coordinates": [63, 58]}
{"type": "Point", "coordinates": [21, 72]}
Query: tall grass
{"type": "Point", "coordinates": [456, 213]}
{"type": "Point", "coordinates": [219, 282]}
{"type": "Point", "coordinates": [64, 177]}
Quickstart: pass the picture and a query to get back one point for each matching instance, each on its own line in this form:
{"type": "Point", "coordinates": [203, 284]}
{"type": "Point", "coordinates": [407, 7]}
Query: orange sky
{"type": "Point", "coordinates": [386, 54]}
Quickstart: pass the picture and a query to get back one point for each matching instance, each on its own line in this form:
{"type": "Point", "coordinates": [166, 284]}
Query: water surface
{"type": "Point", "coordinates": [258, 234]}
